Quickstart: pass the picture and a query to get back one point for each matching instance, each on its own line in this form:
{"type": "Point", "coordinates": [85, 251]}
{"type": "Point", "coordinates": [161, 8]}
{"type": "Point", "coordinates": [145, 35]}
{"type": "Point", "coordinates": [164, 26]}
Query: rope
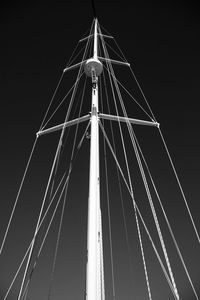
{"type": "Point", "coordinates": [146, 186]}
{"type": "Point", "coordinates": [116, 44]}
{"type": "Point", "coordinates": [16, 274]}
{"type": "Point", "coordinates": [52, 169]}
{"type": "Point", "coordinates": [25, 295]}
{"type": "Point", "coordinates": [140, 215]}
{"type": "Point", "coordinates": [166, 219]}
{"type": "Point", "coordinates": [88, 31]}
{"type": "Point", "coordinates": [52, 98]}
{"type": "Point", "coordinates": [154, 215]}
{"type": "Point", "coordinates": [109, 34]}
{"type": "Point", "coordinates": [137, 82]}
{"type": "Point", "coordinates": [180, 187]}
{"type": "Point", "coordinates": [61, 77]}
{"type": "Point", "coordinates": [114, 51]}
{"type": "Point", "coordinates": [77, 126]}
{"type": "Point", "coordinates": [78, 78]}
{"type": "Point", "coordinates": [19, 268]}
{"type": "Point", "coordinates": [129, 94]}
{"type": "Point", "coordinates": [45, 236]}
{"type": "Point", "coordinates": [143, 256]}
{"type": "Point", "coordinates": [108, 207]}
{"type": "Point", "coordinates": [57, 243]}
{"type": "Point", "coordinates": [30, 248]}
{"type": "Point", "coordinates": [109, 220]}
{"type": "Point", "coordinates": [119, 183]}
{"type": "Point", "coordinates": [40, 214]}
{"type": "Point", "coordinates": [64, 202]}
{"type": "Point", "coordinates": [174, 240]}
{"type": "Point", "coordinates": [44, 199]}
{"type": "Point", "coordinates": [45, 214]}
{"type": "Point", "coordinates": [143, 95]}
{"type": "Point", "coordinates": [55, 172]}
{"type": "Point", "coordinates": [17, 197]}
{"type": "Point", "coordinates": [149, 196]}
{"type": "Point", "coordinates": [75, 57]}
{"type": "Point", "coordinates": [120, 129]}
{"type": "Point", "coordinates": [130, 184]}
{"type": "Point", "coordinates": [70, 59]}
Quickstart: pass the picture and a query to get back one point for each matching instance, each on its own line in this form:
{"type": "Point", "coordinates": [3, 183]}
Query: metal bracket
{"type": "Point", "coordinates": [74, 66]}
{"type": "Point", "coordinates": [101, 35]}
{"type": "Point", "coordinates": [128, 120]}
{"type": "Point", "coordinates": [113, 61]}
{"type": "Point", "coordinates": [63, 125]}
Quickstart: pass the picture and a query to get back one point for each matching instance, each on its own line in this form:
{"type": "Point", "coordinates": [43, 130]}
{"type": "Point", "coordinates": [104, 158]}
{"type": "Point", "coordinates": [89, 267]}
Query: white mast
{"type": "Point", "coordinates": [94, 284]}
{"type": "Point", "coordinates": [95, 265]}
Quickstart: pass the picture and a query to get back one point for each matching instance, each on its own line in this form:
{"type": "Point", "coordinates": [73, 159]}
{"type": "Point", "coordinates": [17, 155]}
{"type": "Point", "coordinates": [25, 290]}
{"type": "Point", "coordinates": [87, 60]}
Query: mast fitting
{"type": "Point", "coordinates": [93, 65]}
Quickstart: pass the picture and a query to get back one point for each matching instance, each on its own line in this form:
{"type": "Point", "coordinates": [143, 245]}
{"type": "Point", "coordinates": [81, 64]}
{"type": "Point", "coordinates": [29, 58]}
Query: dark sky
{"type": "Point", "coordinates": [161, 41]}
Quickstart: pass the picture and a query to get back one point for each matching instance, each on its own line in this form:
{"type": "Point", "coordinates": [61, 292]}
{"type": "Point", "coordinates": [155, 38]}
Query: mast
{"type": "Point", "coordinates": [94, 284]}
{"type": "Point", "coordinates": [95, 265]}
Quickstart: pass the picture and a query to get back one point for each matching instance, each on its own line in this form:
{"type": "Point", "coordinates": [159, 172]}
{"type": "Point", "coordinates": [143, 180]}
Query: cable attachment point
{"type": "Point", "coordinates": [88, 135]}
{"type": "Point", "coordinates": [94, 78]}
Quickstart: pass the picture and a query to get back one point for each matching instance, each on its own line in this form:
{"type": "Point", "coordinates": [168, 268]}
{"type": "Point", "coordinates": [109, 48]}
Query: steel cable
{"type": "Point", "coordinates": [128, 171]}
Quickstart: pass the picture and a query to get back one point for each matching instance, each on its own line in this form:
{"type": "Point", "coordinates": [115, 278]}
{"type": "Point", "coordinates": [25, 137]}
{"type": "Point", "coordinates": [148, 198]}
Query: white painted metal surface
{"type": "Point", "coordinates": [94, 239]}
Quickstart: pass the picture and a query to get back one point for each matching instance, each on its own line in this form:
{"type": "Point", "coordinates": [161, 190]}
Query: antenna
{"type": "Point", "coordinates": [93, 8]}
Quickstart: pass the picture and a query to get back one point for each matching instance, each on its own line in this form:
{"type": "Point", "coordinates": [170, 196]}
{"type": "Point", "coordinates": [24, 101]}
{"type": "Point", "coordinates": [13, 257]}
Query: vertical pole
{"type": "Point", "coordinates": [95, 40]}
{"type": "Point", "coordinates": [93, 203]}
{"type": "Point", "coordinates": [93, 285]}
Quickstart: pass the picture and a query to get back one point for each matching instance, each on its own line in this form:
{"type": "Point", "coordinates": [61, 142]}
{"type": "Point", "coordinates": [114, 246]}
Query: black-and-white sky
{"type": "Point", "coordinates": [160, 39]}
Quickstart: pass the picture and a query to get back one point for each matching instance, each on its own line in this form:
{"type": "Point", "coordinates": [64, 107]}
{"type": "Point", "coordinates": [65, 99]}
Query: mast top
{"type": "Point", "coordinates": [95, 53]}
{"type": "Point", "coordinates": [93, 65]}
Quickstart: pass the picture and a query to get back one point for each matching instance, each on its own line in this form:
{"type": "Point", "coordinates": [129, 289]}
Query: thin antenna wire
{"type": "Point", "coordinates": [28, 249]}
{"type": "Point", "coordinates": [50, 177]}
{"type": "Point", "coordinates": [165, 216]}
{"type": "Point", "coordinates": [108, 202]}
{"type": "Point", "coordinates": [45, 236]}
{"type": "Point", "coordinates": [17, 197]}
{"type": "Point", "coordinates": [94, 9]}
{"type": "Point", "coordinates": [118, 176]}
{"type": "Point", "coordinates": [179, 184]}
{"type": "Point", "coordinates": [147, 190]}
{"type": "Point", "coordinates": [129, 176]}
{"type": "Point", "coordinates": [139, 213]}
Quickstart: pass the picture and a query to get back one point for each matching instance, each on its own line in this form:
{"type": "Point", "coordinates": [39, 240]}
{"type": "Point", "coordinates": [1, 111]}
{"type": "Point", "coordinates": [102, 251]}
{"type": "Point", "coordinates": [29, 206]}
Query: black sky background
{"type": "Point", "coordinates": [161, 41]}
